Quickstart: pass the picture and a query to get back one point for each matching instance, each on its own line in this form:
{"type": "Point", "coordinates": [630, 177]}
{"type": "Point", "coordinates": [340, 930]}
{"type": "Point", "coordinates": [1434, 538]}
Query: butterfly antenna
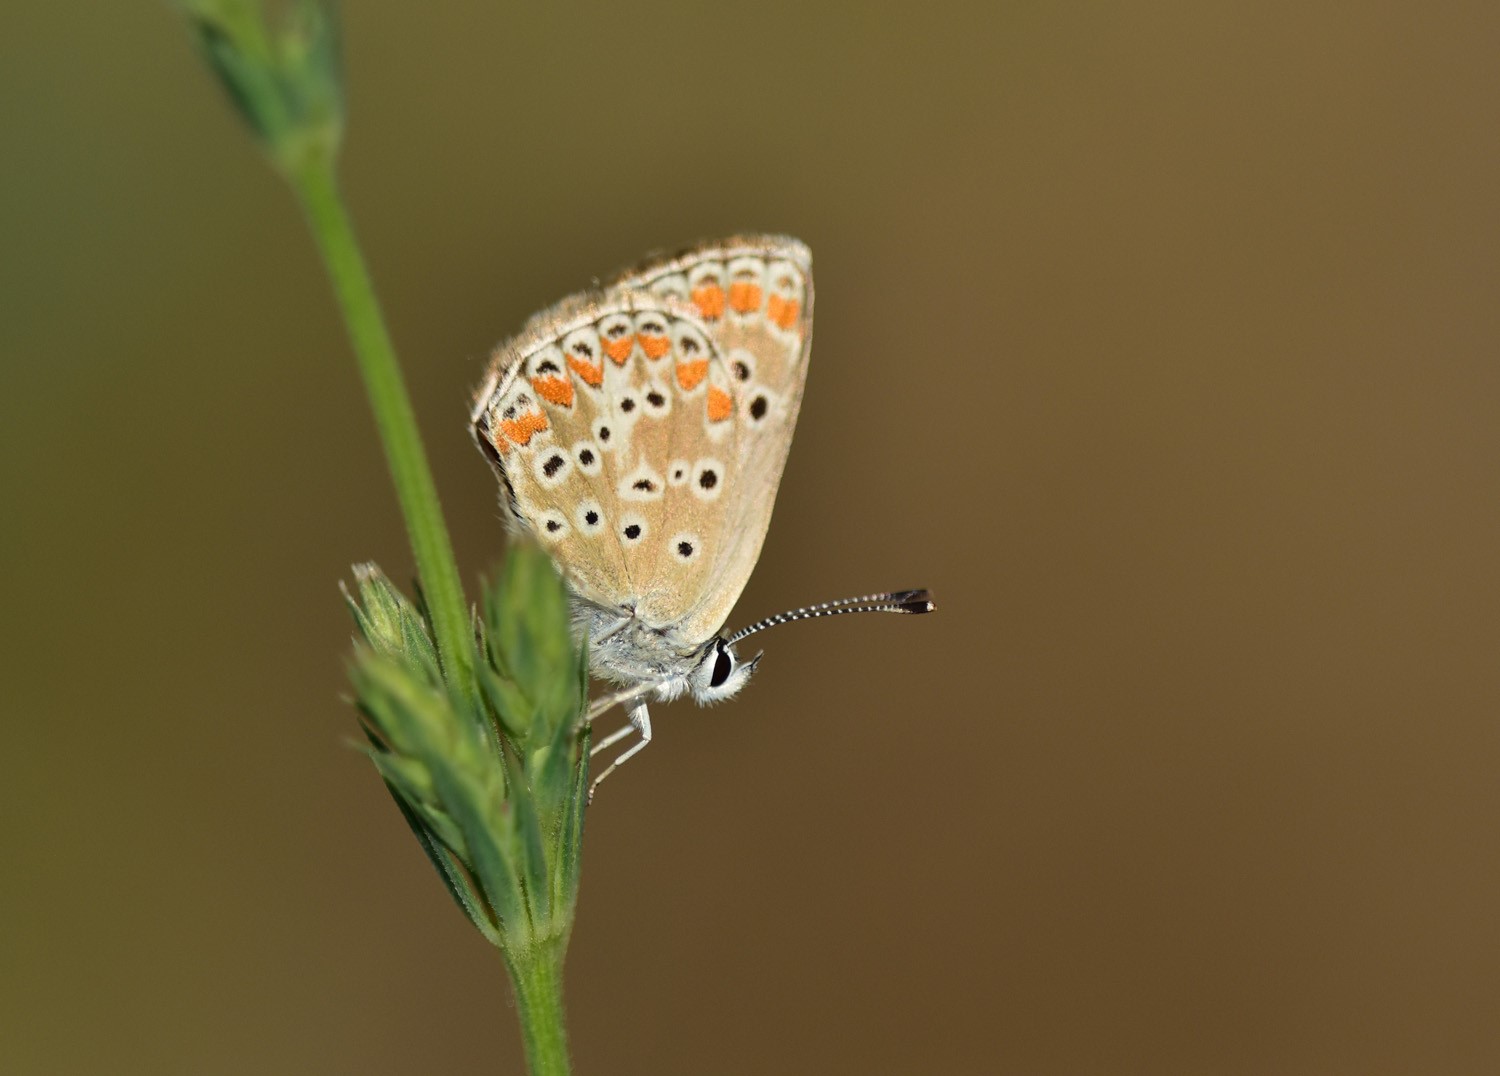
{"type": "Point", "coordinates": [897, 601]}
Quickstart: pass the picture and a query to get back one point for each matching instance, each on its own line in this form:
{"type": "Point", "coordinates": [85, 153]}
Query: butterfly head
{"type": "Point", "coordinates": [719, 673]}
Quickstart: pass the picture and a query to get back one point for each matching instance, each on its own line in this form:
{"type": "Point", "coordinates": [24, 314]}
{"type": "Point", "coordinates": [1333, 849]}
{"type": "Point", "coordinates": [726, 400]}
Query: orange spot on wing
{"type": "Point", "coordinates": [619, 350]}
{"type": "Point", "coordinates": [520, 430]}
{"type": "Point", "coordinates": [782, 311]}
{"type": "Point", "coordinates": [744, 297]}
{"type": "Point", "coordinates": [720, 406]}
{"type": "Point", "coordinates": [558, 390]}
{"type": "Point", "coordinates": [655, 346]}
{"type": "Point", "coordinates": [710, 300]}
{"type": "Point", "coordinates": [690, 373]}
{"type": "Point", "coordinates": [591, 374]}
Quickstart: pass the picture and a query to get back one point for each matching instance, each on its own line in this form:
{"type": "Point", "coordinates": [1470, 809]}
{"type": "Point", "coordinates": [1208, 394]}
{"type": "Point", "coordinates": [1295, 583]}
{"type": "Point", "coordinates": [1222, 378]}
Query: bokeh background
{"type": "Point", "coordinates": [1159, 340]}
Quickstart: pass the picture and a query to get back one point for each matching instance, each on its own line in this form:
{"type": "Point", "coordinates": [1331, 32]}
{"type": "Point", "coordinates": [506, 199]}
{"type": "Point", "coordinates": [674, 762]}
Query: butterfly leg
{"type": "Point", "coordinates": [640, 720]}
{"type": "Point", "coordinates": [608, 702]}
{"type": "Point", "coordinates": [612, 739]}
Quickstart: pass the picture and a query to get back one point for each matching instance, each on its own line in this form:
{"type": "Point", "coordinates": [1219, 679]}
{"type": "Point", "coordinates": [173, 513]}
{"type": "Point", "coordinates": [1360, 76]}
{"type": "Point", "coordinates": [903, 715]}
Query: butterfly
{"type": "Point", "coordinates": [639, 431]}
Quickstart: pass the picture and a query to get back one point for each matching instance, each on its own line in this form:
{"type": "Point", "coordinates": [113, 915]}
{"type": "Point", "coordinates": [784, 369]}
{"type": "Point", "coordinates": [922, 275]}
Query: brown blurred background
{"type": "Point", "coordinates": [1159, 340]}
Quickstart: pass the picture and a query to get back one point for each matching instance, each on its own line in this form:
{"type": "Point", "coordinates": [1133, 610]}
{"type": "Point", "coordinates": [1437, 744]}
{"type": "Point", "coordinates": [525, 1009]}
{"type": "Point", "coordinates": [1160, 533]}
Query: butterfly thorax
{"type": "Point", "coordinates": [630, 651]}
{"type": "Point", "coordinates": [625, 649]}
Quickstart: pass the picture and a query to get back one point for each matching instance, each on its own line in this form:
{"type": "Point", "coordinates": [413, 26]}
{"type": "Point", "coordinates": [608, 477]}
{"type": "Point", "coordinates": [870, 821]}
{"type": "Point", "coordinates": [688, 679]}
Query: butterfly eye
{"type": "Point", "coordinates": [723, 666]}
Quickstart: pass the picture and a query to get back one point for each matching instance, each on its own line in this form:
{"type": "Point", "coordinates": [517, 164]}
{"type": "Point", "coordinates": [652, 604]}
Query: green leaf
{"type": "Point", "coordinates": [391, 624]}
{"type": "Point", "coordinates": [570, 834]}
{"type": "Point", "coordinates": [531, 849]}
{"type": "Point", "coordinates": [444, 829]}
{"type": "Point", "coordinates": [486, 821]}
{"type": "Point", "coordinates": [466, 779]}
{"type": "Point", "coordinates": [407, 713]}
{"type": "Point", "coordinates": [409, 777]}
{"type": "Point", "coordinates": [527, 622]}
{"type": "Point", "coordinates": [551, 768]}
{"type": "Point", "coordinates": [455, 880]}
{"type": "Point", "coordinates": [561, 705]}
{"type": "Point", "coordinates": [511, 708]}
{"type": "Point", "coordinates": [453, 877]}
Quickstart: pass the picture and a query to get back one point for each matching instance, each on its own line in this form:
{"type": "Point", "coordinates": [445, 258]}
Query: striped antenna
{"type": "Point", "coordinates": [899, 601]}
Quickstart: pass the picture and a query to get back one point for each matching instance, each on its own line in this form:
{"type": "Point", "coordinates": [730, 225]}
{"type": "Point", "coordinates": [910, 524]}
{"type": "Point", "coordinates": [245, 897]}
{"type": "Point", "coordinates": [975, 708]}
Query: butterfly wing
{"type": "Point", "coordinates": [754, 294]}
{"type": "Point", "coordinates": [640, 432]}
{"type": "Point", "coordinates": [610, 423]}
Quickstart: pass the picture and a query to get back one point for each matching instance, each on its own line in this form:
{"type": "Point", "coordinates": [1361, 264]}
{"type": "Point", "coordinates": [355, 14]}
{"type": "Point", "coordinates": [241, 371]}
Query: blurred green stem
{"type": "Point", "coordinates": [317, 188]}
{"type": "Point", "coordinates": [537, 975]}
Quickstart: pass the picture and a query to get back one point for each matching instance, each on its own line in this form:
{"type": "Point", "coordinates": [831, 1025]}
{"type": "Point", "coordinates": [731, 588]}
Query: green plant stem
{"type": "Point", "coordinates": [317, 188]}
{"type": "Point", "coordinates": [537, 976]}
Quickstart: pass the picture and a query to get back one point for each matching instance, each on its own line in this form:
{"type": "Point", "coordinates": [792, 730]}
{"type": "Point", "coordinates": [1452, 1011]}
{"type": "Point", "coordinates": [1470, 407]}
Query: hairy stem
{"type": "Point", "coordinates": [537, 975]}
{"type": "Point", "coordinates": [317, 189]}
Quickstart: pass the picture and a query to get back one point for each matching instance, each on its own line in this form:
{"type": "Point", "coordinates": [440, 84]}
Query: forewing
{"type": "Point", "coordinates": [754, 294]}
{"type": "Point", "coordinates": [611, 421]}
